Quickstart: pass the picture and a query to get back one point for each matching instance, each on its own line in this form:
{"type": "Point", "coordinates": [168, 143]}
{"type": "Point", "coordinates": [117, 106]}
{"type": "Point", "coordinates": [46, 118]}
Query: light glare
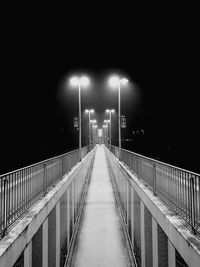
{"type": "Point", "coordinates": [100, 134]}
{"type": "Point", "coordinates": [89, 110]}
{"type": "Point", "coordinates": [84, 81]}
{"type": "Point", "coordinates": [74, 81]}
{"type": "Point", "coordinates": [110, 110]}
{"type": "Point", "coordinates": [124, 81]}
{"type": "Point", "coordinates": [114, 81]}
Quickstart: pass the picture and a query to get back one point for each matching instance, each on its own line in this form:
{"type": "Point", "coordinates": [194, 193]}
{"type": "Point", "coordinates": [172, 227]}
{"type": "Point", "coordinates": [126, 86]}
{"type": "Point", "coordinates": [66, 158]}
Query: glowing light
{"type": "Point", "coordinates": [74, 81]}
{"type": "Point", "coordinates": [100, 133]}
{"type": "Point", "coordinates": [124, 81]}
{"type": "Point", "coordinates": [110, 110]}
{"type": "Point", "coordinates": [114, 81]}
{"type": "Point", "coordinates": [84, 81]}
{"type": "Point", "coordinates": [89, 110]}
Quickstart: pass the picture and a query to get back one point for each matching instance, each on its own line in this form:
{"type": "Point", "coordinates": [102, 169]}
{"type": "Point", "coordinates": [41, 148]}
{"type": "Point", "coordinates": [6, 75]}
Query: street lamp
{"type": "Point", "coordinates": [93, 122]}
{"type": "Point", "coordinates": [105, 126]}
{"type": "Point", "coordinates": [79, 82]}
{"type": "Point", "coordinates": [116, 81]}
{"type": "Point", "coordinates": [94, 133]}
{"type": "Point", "coordinates": [89, 111]}
{"type": "Point", "coordinates": [110, 111]}
{"type": "Point", "coordinates": [106, 123]}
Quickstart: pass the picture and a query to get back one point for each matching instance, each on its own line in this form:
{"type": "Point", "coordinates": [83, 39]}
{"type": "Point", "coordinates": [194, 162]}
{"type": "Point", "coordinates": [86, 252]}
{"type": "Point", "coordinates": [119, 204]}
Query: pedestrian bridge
{"type": "Point", "coordinates": [100, 207]}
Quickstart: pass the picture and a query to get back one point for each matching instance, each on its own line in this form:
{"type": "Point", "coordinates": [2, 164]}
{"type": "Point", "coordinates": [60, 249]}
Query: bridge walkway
{"type": "Point", "coordinates": [100, 240]}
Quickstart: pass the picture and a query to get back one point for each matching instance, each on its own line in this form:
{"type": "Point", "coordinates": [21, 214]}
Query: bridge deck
{"type": "Point", "coordinates": [101, 240]}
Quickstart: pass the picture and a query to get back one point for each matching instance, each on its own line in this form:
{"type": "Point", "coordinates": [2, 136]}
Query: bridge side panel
{"type": "Point", "coordinates": [48, 224]}
{"type": "Point", "coordinates": [153, 223]}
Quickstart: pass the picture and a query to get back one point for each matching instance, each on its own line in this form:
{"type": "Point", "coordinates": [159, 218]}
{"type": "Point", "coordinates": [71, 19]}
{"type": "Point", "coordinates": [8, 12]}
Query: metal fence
{"type": "Point", "coordinates": [178, 188]}
{"type": "Point", "coordinates": [21, 188]}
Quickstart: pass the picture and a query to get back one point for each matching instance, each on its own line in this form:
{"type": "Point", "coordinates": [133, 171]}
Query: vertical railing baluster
{"type": "Point", "coordinates": [198, 202]}
{"type": "Point", "coordinates": [62, 167]}
{"type": "Point", "coordinates": [137, 167]}
{"type": "Point", "coordinates": [192, 208]}
{"type": "Point", "coordinates": [45, 179]}
{"type": "Point", "coordinates": [195, 202]}
{"type": "Point", "coordinates": [154, 178]}
{"type": "Point", "coordinates": [1, 203]}
{"type": "Point", "coordinates": [5, 196]}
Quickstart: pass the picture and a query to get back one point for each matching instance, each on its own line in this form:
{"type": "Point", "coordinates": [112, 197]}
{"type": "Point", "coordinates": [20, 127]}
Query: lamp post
{"type": "Point", "coordinates": [106, 123]}
{"type": "Point", "coordinates": [105, 126]}
{"type": "Point", "coordinates": [110, 111]}
{"type": "Point", "coordinates": [89, 111]}
{"type": "Point", "coordinates": [94, 133]}
{"type": "Point", "coordinates": [93, 122]}
{"type": "Point", "coordinates": [115, 81]}
{"type": "Point", "coordinates": [79, 82]}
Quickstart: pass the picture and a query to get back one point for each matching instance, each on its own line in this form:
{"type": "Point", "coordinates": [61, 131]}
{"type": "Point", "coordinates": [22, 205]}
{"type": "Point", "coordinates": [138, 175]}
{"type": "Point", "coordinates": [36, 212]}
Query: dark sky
{"type": "Point", "coordinates": [158, 53]}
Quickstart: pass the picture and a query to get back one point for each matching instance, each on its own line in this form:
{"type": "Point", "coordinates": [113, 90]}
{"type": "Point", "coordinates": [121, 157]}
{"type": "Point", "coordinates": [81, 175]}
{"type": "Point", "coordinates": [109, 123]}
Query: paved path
{"type": "Point", "coordinates": [100, 240]}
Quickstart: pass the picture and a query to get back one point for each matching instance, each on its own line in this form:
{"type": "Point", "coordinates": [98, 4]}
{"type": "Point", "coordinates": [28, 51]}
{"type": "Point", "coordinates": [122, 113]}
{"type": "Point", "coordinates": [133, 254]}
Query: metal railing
{"type": "Point", "coordinates": [178, 188]}
{"type": "Point", "coordinates": [21, 188]}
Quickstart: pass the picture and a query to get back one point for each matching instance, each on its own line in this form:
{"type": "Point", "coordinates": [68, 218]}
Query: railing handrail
{"type": "Point", "coordinates": [38, 163]}
{"type": "Point", "coordinates": [177, 187]}
{"type": "Point", "coordinates": [158, 161]}
{"type": "Point", "coordinates": [21, 188]}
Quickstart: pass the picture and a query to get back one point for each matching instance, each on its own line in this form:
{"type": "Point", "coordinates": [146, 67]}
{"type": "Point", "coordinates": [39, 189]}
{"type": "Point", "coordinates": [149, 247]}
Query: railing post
{"type": "Point", "coordinates": [154, 178]}
{"type": "Point", "coordinates": [192, 208]}
{"type": "Point", "coordinates": [119, 154]}
{"type": "Point", "coordinates": [45, 179]}
{"type": "Point", "coordinates": [137, 167]}
{"type": "Point", "coordinates": [62, 166]}
{"type": "Point", "coordinates": [5, 197]}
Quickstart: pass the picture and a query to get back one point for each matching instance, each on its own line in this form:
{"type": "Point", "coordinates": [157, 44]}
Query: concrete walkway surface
{"type": "Point", "coordinates": [100, 240]}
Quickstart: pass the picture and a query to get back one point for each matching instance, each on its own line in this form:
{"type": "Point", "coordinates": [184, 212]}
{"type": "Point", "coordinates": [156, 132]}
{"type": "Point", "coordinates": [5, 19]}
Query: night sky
{"type": "Point", "coordinates": [157, 52]}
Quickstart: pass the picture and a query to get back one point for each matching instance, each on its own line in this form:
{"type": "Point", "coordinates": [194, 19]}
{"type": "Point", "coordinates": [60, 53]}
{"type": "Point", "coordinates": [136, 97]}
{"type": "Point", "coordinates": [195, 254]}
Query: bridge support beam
{"type": "Point", "coordinates": [132, 218]}
{"type": "Point", "coordinates": [28, 255]}
{"type": "Point", "coordinates": [45, 243]}
{"type": "Point", "coordinates": [68, 219]}
{"type": "Point", "coordinates": [142, 234]}
{"type": "Point", "coordinates": [155, 242]}
{"type": "Point", "coordinates": [171, 255]}
{"type": "Point", "coordinates": [58, 234]}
